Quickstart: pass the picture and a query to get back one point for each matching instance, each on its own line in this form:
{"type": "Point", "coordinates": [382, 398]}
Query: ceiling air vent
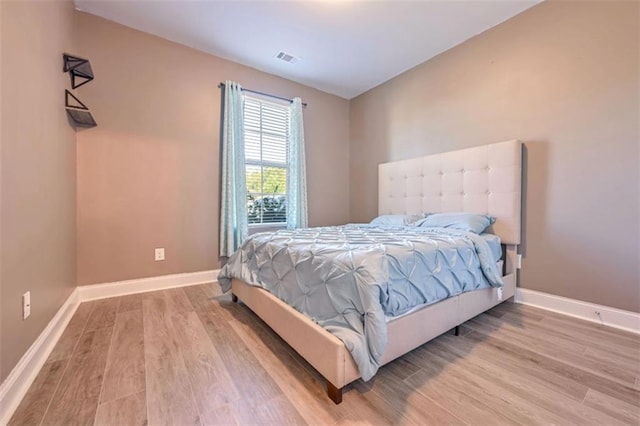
{"type": "Point", "coordinates": [287, 57]}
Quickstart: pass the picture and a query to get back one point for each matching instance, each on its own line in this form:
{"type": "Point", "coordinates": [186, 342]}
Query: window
{"type": "Point", "coordinates": [266, 135]}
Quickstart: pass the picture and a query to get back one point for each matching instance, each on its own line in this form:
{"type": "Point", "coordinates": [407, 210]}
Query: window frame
{"type": "Point", "coordinates": [262, 164]}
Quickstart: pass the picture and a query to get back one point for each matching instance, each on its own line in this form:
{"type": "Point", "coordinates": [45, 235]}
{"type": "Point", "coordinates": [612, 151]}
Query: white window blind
{"type": "Point", "coordinates": [266, 132]}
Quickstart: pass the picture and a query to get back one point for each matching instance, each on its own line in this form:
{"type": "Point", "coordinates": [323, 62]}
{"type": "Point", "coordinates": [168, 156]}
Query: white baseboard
{"type": "Point", "coordinates": [143, 285]}
{"type": "Point", "coordinates": [612, 317]}
{"type": "Point", "coordinates": [14, 388]}
{"type": "Point", "coordinates": [16, 385]}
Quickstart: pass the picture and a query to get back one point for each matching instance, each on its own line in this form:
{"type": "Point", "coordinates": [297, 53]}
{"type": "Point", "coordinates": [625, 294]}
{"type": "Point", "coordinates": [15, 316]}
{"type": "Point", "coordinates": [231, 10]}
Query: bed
{"type": "Point", "coordinates": [484, 180]}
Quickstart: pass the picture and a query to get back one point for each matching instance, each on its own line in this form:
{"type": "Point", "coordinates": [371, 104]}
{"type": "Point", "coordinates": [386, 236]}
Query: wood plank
{"type": "Point", "coordinates": [34, 404]}
{"type": "Point", "coordinates": [242, 313]}
{"type": "Point", "coordinates": [276, 354]}
{"type": "Point", "coordinates": [615, 408]}
{"type": "Point", "coordinates": [442, 381]}
{"type": "Point", "coordinates": [532, 310]}
{"type": "Point", "coordinates": [513, 364]}
{"type": "Point", "coordinates": [212, 290]}
{"type": "Point", "coordinates": [402, 368]}
{"type": "Point", "coordinates": [248, 375]}
{"type": "Point", "coordinates": [177, 300]}
{"type": "Point", "coordinates": [518, 384]}
{"type": "Point", "coordinates": [535, 335]}
{"type": "Point", "coordinates": [199, 298]}
{"type": "Point", "coordinates": [442, 390]}
{"type": "Point", "coordinates": [589, 337]}
{"type": "Point", "coordinates": [411, 406]}
{"type": "Point", "coordinates": [488, 392]}
{"type": "Point", "coordinates": [212, 384]}
{"type": "Point", "coordinates": [169, 395]}
{"type": "Point", "coordinates": [557, 346]}
{"type": "Point", "coordinates": [131, 302]}
{"type": "Point", "coordinates": [300, 388]}
{"type": "Point", "coordinates": [130, 410]}
{"type": "Point", "coordinates": [550, 346]}
{"type": "Point", "coordinates": [625, 361]}
{"type": "Point", "coordinates": [368, 408]}
{"type": "Point", "coordinates": [76, 398]}
{"type": "Point", "coordinates": [103, 313]}
{"type": "Point", "coordinates": [597, 331]}
{"type": "Point", "coordinates": [563, 368]}
{"type": "Point", "coordinates": [71, 335]}
{"type": "Point", "coordinates": [125, 371]}
{"type": "Point", "coordinates": [223, 415]}
{"type": "Point", "coordinates": [277, 411]}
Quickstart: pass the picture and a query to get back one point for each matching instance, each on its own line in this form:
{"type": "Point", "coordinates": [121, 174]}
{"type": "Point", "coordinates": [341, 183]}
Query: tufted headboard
{"type": "Point", "coordinates": [484, 179]}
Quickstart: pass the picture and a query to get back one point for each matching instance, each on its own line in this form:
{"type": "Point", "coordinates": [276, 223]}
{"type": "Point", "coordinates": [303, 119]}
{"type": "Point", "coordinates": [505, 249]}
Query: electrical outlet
{"type": "Point", "coordinates": [26, 305]}
{"type": "Point", "coordinates": [519, 262]}
{"type": "Point", "coordinates": [159, 254]}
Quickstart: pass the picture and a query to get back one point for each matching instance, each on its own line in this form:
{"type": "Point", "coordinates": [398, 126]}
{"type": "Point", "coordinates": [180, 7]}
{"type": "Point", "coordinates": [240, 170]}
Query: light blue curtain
{"type": "Point", "coordinates": [233, 202]}
{"type": "Point", "coordinates": [296, 175]}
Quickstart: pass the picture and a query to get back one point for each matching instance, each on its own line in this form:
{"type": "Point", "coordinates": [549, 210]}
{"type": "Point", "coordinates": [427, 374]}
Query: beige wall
{"type": "Point", "coordinates": [148, 174]}
{"type": "Point", "coordinates": [562, 77]}
{"type": "Point", "coordinates": [38, 172]}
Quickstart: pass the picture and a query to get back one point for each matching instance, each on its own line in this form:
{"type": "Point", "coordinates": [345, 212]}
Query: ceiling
{"type": "Point", "coordinates": [345, 47]}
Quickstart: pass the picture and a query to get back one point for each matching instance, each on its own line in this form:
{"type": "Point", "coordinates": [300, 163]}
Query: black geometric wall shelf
{"type": "Point", "coordinates": [81, 73]}
{"type": "Point", "coordinates": [78, 68]}
{"type": "Point", "coordinates": [71, 61]}
{"type": "Point", "coordinates": [80, 118]}
{"type": "Point", "coordinates": [77, 112]}
{"type": "Point", "coordinates": [73, 102]}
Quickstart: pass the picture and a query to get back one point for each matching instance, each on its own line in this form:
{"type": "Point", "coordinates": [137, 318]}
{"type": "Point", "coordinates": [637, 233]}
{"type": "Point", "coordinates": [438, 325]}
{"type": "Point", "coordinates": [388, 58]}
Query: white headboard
{"type": "Point", "coordinates": [484, 179]}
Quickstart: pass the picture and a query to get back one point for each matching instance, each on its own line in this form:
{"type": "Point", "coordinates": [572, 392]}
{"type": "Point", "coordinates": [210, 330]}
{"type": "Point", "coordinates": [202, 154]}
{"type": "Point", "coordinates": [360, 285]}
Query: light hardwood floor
{"type": "Point", "coordinates": [190, 356]}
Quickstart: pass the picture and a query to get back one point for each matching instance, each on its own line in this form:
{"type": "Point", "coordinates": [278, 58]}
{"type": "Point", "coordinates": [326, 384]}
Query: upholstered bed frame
{"type": "Point", "coordinates": [484, 179]}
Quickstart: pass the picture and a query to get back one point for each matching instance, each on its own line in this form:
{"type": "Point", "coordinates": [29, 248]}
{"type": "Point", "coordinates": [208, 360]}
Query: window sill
{"type": "Point", "coordinates": [266, 227]}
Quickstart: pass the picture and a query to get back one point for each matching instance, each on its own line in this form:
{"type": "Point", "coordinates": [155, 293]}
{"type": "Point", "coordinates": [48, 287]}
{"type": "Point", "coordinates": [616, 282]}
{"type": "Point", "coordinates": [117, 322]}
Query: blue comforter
{"type": "Point", "coordinates": [347, 278]}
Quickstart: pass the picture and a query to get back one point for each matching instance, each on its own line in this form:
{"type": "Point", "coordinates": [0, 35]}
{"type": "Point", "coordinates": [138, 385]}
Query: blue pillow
{"type": "Point", "coordinates": [396, 219]}
{"type": "Point", "coordinates": [468, 222]}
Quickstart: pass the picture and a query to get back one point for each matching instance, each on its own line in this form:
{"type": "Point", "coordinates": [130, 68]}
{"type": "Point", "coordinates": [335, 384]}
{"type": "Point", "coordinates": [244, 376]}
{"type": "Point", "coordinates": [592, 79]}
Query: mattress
{"type": "Point", "coordinates": [348, 278]}
{"type": "Point", "coordinates": [388, 319]}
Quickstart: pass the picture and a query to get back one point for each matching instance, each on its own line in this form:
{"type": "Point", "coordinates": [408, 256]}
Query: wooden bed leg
{"type": "Point", "coordinates": [234, 298]}
{"type": "Point", "coordinates": [457, 330]}
{"type": "Point", "coordinates": [334, 393]}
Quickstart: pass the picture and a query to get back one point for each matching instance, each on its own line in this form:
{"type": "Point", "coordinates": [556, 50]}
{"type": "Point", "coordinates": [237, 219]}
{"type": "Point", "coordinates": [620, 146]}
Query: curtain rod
{"type": "Point", "coordinates": [304, 105]}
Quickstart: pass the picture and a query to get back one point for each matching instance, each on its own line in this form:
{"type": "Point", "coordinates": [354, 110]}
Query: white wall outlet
{"type": "Point", "coordinates": [519, 262]}
{"type": "Point", "coordinates": [159, 254]}
{"type": "Point", "coordinates": [26, 305]}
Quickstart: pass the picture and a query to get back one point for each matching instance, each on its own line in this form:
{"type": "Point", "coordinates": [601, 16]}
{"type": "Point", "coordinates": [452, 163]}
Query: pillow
{"type": "Point", "coordinates": [468, 222]}
{"type": "Point", "coordinates": [396, 219]}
